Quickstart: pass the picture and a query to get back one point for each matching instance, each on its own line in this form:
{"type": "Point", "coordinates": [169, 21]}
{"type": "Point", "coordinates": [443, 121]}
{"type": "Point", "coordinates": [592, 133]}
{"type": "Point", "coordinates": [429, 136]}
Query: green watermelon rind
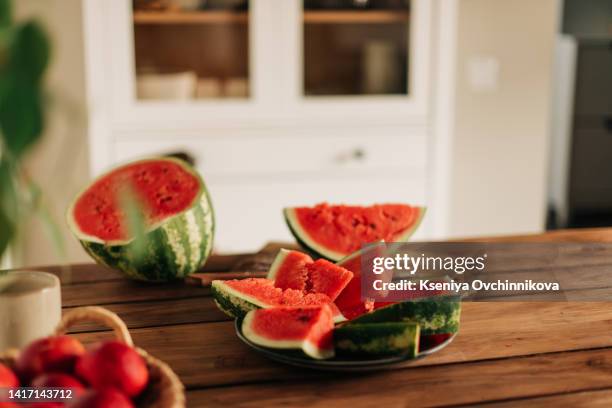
{"type": "Point", "coordinates": [319, 250]}
{"type": "Point", "coordinates": [233, 303]}
{"type": "Point", "coordinates": [371, 340]}
{"type": "Point", "coordinates": [436, 315]}
{"type": "Point", "coordinates": [175, 247]}
{"type": "Point", "coordinates": [306, 346]}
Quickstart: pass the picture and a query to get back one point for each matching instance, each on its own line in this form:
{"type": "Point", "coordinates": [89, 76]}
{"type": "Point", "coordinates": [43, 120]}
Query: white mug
{"type": "Point", "coordinates": [30, 307]}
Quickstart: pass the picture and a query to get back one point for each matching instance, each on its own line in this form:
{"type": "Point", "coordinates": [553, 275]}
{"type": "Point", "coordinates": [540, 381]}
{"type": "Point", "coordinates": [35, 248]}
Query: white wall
{"type": "Point", "coordinates": [500, 152]}
{"type": "Point", "coordinates": [59, 163]}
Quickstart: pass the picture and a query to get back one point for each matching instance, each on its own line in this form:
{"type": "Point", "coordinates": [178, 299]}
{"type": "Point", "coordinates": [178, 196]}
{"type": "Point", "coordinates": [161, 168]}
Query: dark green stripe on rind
{"type": "Point", "coordinates": [168, 250]}
{"type": "Point", "coordinates": [229, 304]}
{"type": "Point", "coordinates": [377, 339]}
{"type": "Point", "coordinates": [440, 314]}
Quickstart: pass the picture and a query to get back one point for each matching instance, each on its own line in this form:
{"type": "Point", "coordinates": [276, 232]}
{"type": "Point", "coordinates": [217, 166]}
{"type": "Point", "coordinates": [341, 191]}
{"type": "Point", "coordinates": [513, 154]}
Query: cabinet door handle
{"type": "Point", "coordinates": [357, 154]}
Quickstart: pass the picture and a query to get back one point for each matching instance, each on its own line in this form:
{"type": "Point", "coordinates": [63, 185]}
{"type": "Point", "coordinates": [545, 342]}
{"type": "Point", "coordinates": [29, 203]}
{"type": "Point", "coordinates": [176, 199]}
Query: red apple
{"type": "Point", "coordinates": [59, 380]}
{"type": "Point", "coordinates": [116, 365]}
{"type": "Point", "coordinates": [51, 354]}
{"type": "Point", "coordinates": [105, 398]}
{"type": "Point", "coordinates": [8, 379]}
{"type": "Point", "coordinates": [44, 405]}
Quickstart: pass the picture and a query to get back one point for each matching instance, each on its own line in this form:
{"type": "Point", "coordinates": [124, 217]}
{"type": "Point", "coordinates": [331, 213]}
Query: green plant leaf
{"type": "Point", "coordinates": [8, 205]}
{"type": "Point", "coordinates": [30, 52]}
{"type": "Point", "coordinates": [6, 13]}
{"type": "Point", "coordinates": [7, 231]}
{"type": "Point", "coordinates": [25, 58]}
{"type": "Point", "coordinates": [21, 116]}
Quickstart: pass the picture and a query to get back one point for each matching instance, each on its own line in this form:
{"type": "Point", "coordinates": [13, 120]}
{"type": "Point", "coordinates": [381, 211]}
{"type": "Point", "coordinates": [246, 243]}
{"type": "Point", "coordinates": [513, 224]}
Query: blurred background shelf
{"type": "Point", "coordinates": [191, 17]}
{"type": "Point", "coordinates": [310, 17]}
{"type": "Point", "coordinates": [356, 16]}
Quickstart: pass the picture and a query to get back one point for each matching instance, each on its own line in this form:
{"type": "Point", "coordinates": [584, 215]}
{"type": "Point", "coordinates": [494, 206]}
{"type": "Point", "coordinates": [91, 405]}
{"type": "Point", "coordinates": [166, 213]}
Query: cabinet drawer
{"type": "Point", "coordinates": [307, 152]}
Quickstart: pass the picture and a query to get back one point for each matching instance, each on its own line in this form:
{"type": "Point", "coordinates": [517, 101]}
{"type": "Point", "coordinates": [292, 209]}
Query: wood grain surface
{"type": "Point", "coordinates": [507, 354]}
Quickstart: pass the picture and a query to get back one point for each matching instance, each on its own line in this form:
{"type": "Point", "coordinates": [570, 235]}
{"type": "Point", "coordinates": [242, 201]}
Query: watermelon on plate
{"type": "Point", "coordinates": [237, 297]}
{"type": "Point", "coordinates": [376, 340]}
{"type": "Point", "coordinates": [178, 216]}
{"type": "Point", "coordinates": [288, 270]}
{"type": "Point", "coordinates": [306, 328]}
{"type": "Point", "coordinates": [435, 315]}
{"type": "Point", "coordinates": [350, 302]}
{"type": "Point", "coordinates": [336, 231]}
{"type": "Point", "coordinates": [296, 270]}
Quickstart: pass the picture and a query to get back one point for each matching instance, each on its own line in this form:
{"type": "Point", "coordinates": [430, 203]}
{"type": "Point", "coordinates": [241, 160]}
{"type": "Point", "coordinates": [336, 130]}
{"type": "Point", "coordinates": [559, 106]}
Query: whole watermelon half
{"type": "Point", "coordinates": [178, 217]}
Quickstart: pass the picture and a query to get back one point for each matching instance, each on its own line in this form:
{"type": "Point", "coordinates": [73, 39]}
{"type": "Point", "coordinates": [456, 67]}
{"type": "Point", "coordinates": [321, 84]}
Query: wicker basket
{"type": "Point", "coordinates": [164, 390]}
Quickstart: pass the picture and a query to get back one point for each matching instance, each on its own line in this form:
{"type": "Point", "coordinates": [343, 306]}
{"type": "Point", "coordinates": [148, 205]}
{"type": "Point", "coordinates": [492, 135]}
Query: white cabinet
{"type": "Point", "coordinates": [281, 102]}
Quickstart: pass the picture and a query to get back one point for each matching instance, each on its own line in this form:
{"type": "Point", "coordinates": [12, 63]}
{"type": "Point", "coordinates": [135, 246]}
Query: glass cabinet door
{"type": "Point", "coordinates": [191, 49]}
{"type": "Point", "coordinates": [356, 47]}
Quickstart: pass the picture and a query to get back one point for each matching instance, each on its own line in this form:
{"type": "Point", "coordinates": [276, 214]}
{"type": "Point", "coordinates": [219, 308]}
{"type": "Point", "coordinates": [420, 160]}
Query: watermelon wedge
{"type": "Point", "coordinates": [178, 218]}
{"type": "Point", "coordinates": [305, 328]}
{"type": "Point", "coordinates": [335, 231]}
{"type": "Point", "coordinates": [296, 270]}
{"type": "Point", "coordinates": [288, 270]}
{"type": "Point", "coordinates": [435, 315]}
{"type": "Point", "coordinates": [239, 296]}
{"type": "Point", "coordinates": [350, 302]}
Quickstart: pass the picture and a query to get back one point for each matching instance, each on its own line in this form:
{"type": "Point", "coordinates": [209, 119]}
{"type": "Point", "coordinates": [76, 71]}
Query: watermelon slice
{"type": "Point", "coordinates": [336, 231]}
{"type": "Point", "coordinates": [177, 211]}
{"type": "Point", "coordinates": [296, 270]}
{"type": "Point", "coordinates": [435, 315]}
{"type": "Point", "coordinates": [288, 271]}
{"type": "Point", "coordinates": [239, 296]}
{"type": "Point", "coordinates": [350, 301]}
{"type": "Point", "coordinates": [376, 340]}
{"type": "Point", "coordinates": [306, 328]}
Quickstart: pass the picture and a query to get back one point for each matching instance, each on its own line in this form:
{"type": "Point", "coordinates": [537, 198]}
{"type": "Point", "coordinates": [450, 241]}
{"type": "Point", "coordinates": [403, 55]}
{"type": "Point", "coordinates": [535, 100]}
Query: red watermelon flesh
{"type": "Point", "coordinates": [335, 231]}
{"type": "Point", "coordinates": [327, 278]}
{"type": "Point", "coordinates": [430, 341]}
{"type": "Point", "coordinates": [262, 293]}
{"type": "Point", "coordinates": [288, 271]}
{"type": "Point", "coordinates": [296, 270]}
{"type": "Point", "coordinates": [163, 186]}
{"type": "Point", "coordinates": [306, 328]}
{"type": "Point", "coordinates": [350, 301]}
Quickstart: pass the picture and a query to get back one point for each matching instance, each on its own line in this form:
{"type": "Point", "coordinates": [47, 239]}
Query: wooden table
{"type": "Point", "coordinates": [506, 354]}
